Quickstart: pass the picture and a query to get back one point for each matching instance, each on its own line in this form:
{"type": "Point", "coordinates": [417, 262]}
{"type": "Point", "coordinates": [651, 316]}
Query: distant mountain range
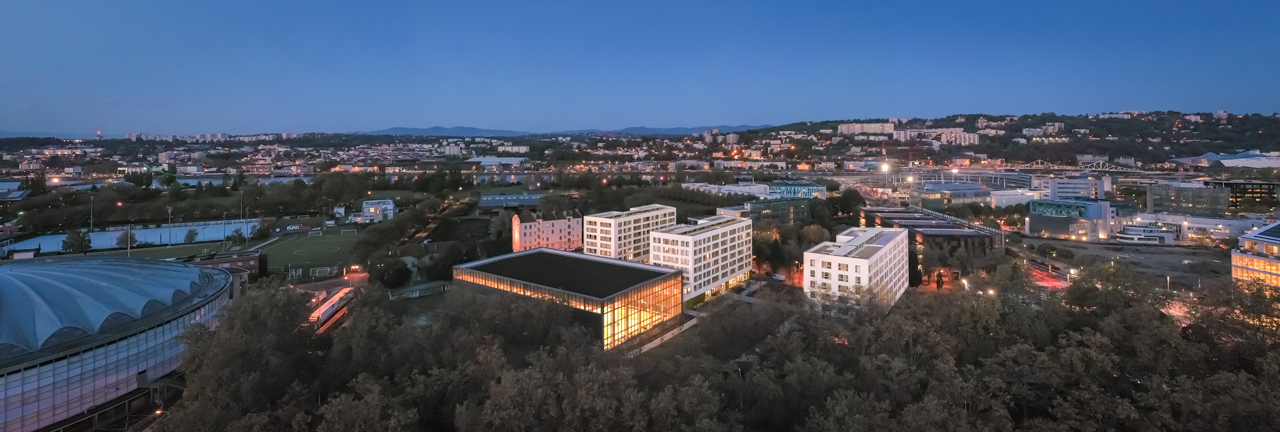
{"type": "Point", "coordinates": [473, 132]}
{"type": "Point", "coordinates": [458, 131]}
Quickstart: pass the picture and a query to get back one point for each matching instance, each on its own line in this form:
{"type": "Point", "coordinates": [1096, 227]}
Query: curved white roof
{"type": "Point", "coordinates": [40, 297]}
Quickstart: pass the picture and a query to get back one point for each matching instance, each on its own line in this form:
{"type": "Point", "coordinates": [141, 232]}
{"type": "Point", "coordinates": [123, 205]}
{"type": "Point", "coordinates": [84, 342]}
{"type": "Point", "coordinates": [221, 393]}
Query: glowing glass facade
{"type": "Point", "coordinates": [623, 315]}
{"type": "Point", "coordinates": [58, 387]}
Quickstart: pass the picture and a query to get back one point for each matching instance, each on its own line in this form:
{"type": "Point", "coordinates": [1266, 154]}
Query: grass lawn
{"type": "Point", "coordinates": [301, 251]}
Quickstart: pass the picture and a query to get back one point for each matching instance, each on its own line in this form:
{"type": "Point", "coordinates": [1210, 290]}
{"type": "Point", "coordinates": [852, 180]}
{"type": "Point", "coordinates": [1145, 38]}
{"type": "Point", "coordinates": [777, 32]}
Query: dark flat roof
{"type": "Point", "coordinates": [581, 274]}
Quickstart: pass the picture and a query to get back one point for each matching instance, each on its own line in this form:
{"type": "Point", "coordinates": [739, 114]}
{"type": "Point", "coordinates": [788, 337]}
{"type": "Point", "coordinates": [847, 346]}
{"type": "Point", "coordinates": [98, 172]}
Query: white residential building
{"type": "Point", "coordinates": [1091, 187]}
{"type": "Point", "coordinates": [1033, 132]}
{"type": "Point", "coordinates": [513, 149]}
{"type": "Point", "coordinates": [529, 231]}
{"type": "Point", "coordinates": [944, 135]}
{"type": "Point", "coordinates": [867, 128]}
{"type": "Point", "coordinates": [714, 253]}
{"type": "Point", "coordinates": [625, 234]}
{"type": "Point", "coordinates": [861, 262]}
{"type": "Point", "coordinates": [374, 211]}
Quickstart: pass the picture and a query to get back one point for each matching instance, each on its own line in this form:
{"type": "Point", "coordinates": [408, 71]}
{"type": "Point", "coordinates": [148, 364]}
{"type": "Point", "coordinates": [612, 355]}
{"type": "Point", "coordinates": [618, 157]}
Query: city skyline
{"type": "Point", "coordinates": [248, 68]}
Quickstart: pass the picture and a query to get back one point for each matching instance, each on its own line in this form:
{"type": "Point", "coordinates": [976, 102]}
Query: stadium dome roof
{"type": "Point", "coordinates": [47, 302]}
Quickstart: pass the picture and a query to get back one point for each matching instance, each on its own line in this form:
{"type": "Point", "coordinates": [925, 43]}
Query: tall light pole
{"type": "Point", "coordinates": [91, 212]}
{"type": "Point", "coordinates": [224, 231]}
{"type": "Point", "coordinates": [170, 225]}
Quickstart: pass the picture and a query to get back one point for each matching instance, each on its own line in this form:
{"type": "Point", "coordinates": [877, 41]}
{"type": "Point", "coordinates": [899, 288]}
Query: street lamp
{"type": "Point", "coordinates": [1069, 275]}
{"type": "Point", "coordinates": [966, 284]}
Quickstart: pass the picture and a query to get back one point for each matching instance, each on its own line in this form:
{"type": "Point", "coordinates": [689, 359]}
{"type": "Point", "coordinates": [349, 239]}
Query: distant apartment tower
{"type": "Point", "coordinates": [862, 263]}
{"type": "Point", "coordinates": [731, 138]}
{"type": "Point", "coordinates": [1089, 187]}
{"type": "Point", "coordinates": [625, 234]}
{"type": "Point", "coordinates": [530, 231]}
{"type": "Point", "coordinates": [867, 128]}
{"type": "Point", "coordinates": [714, 253]}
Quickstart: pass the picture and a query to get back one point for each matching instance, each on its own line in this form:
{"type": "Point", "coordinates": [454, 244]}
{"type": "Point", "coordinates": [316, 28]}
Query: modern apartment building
{"type": "Point", "coordinates": [1257, 258]}
{"type": "Point", "coordinates": [1085, 187]}
{"type": "Point", "coordinates": [714, 253]}
{"type": "Point", "coordinates": [530, 231]}
{"type": "Point", "coordinates": [860, 264]}
{"type": "Point", "coordinates": [625, 234]}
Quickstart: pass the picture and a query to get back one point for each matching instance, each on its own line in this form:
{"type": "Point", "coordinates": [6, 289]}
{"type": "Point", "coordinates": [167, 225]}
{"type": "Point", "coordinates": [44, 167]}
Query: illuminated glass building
{"type": "Point", "coordinates": [621, 298]}
{"type": "Point", "coordinates": [85, 342]}
{"type": "Point", "coordinates": [1257, 258]}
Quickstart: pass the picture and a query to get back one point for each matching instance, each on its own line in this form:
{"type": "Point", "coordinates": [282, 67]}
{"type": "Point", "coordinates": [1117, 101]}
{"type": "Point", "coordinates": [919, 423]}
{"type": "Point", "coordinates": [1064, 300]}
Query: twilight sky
{"type": "Point", "coordinates": [77, 66]}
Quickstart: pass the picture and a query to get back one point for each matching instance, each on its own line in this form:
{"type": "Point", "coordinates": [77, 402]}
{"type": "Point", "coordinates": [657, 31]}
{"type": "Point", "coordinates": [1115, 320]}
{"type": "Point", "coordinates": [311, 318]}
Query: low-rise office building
{"type": "Point", "coordinates": [797, 189]}
{"type": "Point", "coordinates": [1073, 219]}
{"type": "Point", "coordinates": [1246, 195]}
{"type": "Point", "coordinates": [625, 234]}
{"type": "Point", "coordinates": [1005, 198]}
{"type": "Point", "coordinates": [861, 265]}
{"type": "Point", "coordinates": [532, 231]}
{"type": "Point", "coordinates": [1193, 199]}
{"type": "Point", "coordinates": [939, 196]}
{"type": "Point", "coordinates": [1191, 228]}
{"type": "Point", "coordinates": [620, 299]}
{"type": "Point", "coordinates": [1149, 233]}
{"type": "Point", "coordinates": [714, 254]}
{"type": "Point", "coordinates": [753, 189]}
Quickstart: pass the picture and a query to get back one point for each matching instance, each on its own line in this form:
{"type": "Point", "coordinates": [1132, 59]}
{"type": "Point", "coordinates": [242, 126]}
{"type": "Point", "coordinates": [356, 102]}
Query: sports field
{"type": "Point", "coordinates": [307, 254]}
{"type": "Point", "coordinates": [164, 252]}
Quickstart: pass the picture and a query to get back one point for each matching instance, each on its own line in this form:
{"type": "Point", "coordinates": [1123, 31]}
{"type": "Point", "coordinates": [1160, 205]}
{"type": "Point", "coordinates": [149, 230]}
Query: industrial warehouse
{"type": "Point", "coordinates": [86, 341]}
{"type": "Point", "coordinates": [623, 298]}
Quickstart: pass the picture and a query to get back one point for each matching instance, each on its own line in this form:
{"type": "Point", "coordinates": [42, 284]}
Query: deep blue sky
{"type": "Point", "coordinates": [298, 66]}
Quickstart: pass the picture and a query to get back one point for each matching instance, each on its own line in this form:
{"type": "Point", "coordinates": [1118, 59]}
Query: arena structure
{"type": "Point", "coordinates": [84, 341]}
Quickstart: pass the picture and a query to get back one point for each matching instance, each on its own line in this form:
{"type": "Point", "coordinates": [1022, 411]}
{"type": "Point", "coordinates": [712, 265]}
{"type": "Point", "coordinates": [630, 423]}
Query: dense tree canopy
{"type": "Point", "coordinates": [1105, 354]}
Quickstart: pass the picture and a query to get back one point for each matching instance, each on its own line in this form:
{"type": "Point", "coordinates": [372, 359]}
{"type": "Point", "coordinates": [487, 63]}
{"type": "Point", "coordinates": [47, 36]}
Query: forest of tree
{"type": "Point", "coordinates": [1101, 355]}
